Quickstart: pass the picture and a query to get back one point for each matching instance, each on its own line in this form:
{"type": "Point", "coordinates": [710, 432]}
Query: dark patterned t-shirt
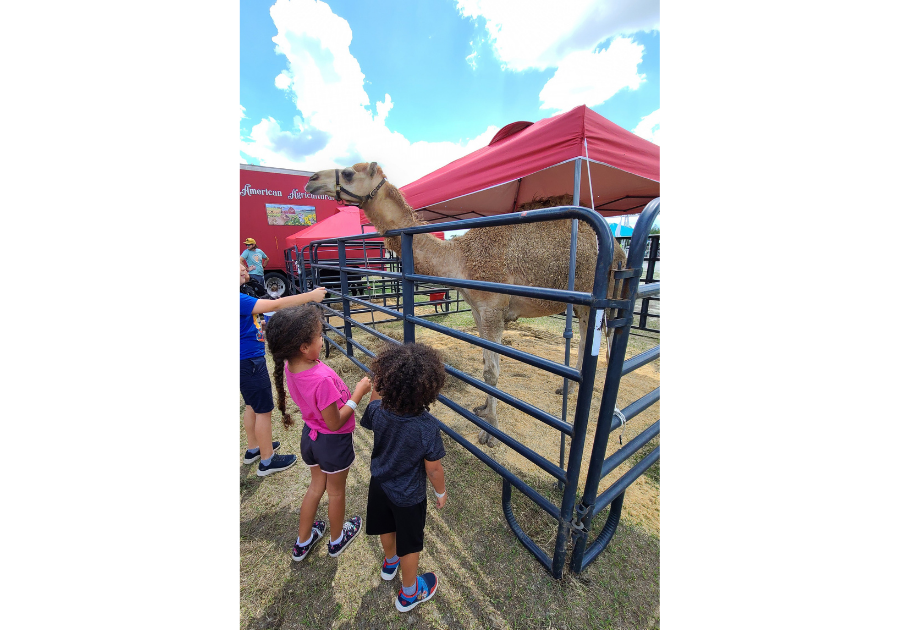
{"type": "Point", "coordinates": [402, 444]}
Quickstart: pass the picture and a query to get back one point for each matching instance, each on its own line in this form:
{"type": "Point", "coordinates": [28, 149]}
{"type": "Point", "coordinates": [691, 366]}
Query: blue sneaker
{"type": "Point", "coordinates": [278, 463]}
{"type": "Point", "coordinates": [427, 586]}
{"type": "Point", "coordinates": [299, 552]}
{"type": "Point", "coordinates": [350, 533]}
{"type": "Point", "coordinates": [249, 457]}
{"type": "Point", "coordinates": [388, 571]}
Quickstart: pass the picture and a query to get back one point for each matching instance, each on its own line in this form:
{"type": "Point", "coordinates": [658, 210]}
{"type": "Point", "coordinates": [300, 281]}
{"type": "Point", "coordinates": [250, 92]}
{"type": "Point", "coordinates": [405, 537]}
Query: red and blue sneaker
{"type": "Point", "coordinates": [426, 586]}
{"type": "Point", "coordinates": [388, 571]}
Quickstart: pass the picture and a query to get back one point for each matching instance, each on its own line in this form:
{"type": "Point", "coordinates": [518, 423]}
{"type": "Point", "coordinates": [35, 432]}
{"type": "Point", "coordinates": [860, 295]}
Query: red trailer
{"type": "Point", "coordinates": [274, 205]}
{"type": "Point", "coordinates": [278, 213]}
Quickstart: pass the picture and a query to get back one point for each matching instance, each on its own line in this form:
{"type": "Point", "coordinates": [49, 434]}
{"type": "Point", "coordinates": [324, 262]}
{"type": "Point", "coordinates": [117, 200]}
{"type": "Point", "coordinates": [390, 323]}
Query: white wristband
{"type": "Point", "coordinates": [440, 496]}
{"type": "Point", "coordinates": [351, 404]}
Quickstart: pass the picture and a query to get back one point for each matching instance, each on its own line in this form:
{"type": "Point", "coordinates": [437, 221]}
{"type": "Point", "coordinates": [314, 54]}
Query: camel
{"type": "Point", "coordinates": [530, 254]}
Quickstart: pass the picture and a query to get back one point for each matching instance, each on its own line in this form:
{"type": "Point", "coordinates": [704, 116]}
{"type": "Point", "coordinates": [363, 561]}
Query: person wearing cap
{"type": "Point", "coordinates": [256, 260]}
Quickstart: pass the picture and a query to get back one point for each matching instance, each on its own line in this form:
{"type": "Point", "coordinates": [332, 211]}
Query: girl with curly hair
{"type": "Point", "coordinates": [328, 408]}
{"type": "Point", "coordinates": [407, 448]}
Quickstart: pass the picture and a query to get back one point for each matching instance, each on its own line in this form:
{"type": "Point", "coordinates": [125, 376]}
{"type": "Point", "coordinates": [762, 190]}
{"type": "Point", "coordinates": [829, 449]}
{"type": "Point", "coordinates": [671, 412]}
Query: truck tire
{"type": "Point", "coordinates": [277, 286]}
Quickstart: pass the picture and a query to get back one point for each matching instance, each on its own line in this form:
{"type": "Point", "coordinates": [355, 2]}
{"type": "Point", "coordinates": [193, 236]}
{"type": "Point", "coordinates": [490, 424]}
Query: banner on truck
{"type": "Point", "coordinates": [280, 214]}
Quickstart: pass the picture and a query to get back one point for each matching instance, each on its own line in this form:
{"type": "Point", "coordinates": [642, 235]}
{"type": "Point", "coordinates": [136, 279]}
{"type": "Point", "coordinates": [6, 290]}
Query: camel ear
{"type": "Point", "coordinates": [373, 168]}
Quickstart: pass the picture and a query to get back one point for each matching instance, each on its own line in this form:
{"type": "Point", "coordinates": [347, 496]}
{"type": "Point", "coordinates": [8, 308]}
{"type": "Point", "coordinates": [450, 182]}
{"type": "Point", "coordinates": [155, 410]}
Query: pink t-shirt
{"type": "Point", "coordinates": [313, 390]}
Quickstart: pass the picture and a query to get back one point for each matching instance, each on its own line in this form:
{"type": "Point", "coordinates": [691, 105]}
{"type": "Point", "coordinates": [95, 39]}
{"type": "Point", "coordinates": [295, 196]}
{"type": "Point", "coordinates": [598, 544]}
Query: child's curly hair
{"type": "Point", "coordinates": [408, 377]}
{"type": "Point", "coordinates": [287, 330]}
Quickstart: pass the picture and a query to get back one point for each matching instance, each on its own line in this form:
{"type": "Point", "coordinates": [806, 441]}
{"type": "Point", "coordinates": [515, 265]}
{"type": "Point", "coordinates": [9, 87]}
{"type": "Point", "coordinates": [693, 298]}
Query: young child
{"type": "Point", "coordinates": [408, 447]}
{"type": "Point", "coordinates": [256, 388]}
{"type": "Point", "coordinates": [295, 340]}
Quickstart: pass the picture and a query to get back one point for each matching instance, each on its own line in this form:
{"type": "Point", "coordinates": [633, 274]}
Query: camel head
{"type": "Point", "coordinates": [354, 185]}
{"type": "Point", "coordinates": [365, 185]}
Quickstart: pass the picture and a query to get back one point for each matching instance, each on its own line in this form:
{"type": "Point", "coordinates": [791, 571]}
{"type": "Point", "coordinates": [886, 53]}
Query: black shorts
{"type": "Point", "coordinates": [256, 388]}
{"type": "Point", "coordinates": [383, 517]}
{"type": "Point", "coordinates": [332, 452]}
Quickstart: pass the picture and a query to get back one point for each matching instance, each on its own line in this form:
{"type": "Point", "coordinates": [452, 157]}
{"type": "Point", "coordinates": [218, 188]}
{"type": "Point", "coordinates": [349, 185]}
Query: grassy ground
{"type": "Point", "coordinates": [487, 578]}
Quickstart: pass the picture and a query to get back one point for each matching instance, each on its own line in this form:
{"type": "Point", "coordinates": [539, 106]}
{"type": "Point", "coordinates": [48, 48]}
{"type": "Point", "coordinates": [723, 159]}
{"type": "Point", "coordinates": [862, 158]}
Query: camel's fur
{"type": "Point", "coordinates": [530, 254]}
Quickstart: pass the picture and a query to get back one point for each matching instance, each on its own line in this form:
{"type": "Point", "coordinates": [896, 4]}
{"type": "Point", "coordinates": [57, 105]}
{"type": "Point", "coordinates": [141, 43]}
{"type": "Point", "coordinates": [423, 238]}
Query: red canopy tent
{"type": "Point", "coordinates": [530, 160]}
{"type": "Point", "coordinates": [345, 222]}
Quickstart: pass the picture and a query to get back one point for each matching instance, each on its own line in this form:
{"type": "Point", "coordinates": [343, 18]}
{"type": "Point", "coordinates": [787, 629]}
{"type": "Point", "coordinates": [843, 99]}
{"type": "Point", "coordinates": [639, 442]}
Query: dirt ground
{"type": "Point", "coordinates": [642, 502]}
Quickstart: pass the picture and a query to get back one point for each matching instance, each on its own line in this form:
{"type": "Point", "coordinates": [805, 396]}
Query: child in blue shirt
{"type": "Point", "coordinates": [407, 448]}
{"type": "Point", "coordinates": [256, 388]}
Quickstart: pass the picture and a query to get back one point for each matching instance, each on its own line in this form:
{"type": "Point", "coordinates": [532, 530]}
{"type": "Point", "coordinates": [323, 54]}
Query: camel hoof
{"type": "Point", "coordinates": [486, 438]}
{"type": "Point", "coordinates": [572, 389]}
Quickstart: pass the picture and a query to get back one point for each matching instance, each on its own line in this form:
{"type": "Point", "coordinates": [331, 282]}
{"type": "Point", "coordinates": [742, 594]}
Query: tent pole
{"type": "Point", "coordinates": [576, 198]}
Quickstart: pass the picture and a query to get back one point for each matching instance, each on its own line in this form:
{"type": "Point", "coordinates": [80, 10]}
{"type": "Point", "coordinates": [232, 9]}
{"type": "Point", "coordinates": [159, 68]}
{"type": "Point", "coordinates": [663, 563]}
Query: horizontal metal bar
{"type": "Point", "coordinates": [521, 405]}
{"type": "Point", "coordinates": [354, 359]}
{"type": "Point", "coordinates": [640, 404]}
{"type": "Point", "coordinates": [381, 309]}
{"type": "Point", "coordinates": [368, 329]}
{"type": "Point", "coordinates": [647, 290]}
{"type": "Point", "coordinates": [555, 295]}
{"type": "Point", "coordinates": [615, 460]}
{"type": "Point", "coordinates": [556, 368]}
{"type": "Point", "coordinates": [585, 215]}
{"type": "Point", "coordinates": [624, 481]}
{"type": "Point", "coordinates": [518, 447]}
{"type": "Point", "coordinates": [640, 360]}
{"type": "Point", "coordinates": [520, 485]}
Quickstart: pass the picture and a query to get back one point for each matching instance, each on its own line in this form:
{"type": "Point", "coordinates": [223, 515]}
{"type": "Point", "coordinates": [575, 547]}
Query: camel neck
{"type": "Point", "coordinates": [432, 256]}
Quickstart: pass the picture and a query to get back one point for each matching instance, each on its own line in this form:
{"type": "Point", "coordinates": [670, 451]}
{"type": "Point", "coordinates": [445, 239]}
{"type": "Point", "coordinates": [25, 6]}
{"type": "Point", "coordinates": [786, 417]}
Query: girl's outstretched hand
{"type": "Point", "coordinates": [364, 386]}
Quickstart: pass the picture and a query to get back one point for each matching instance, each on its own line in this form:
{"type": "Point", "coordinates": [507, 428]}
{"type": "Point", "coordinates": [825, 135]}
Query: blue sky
{"type": "Point", "coordinates": [414, 85]}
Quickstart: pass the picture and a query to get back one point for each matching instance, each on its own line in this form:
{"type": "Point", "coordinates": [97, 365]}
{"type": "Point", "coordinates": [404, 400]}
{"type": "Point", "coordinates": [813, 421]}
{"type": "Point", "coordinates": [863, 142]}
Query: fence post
{"type": "Point", "coordinates": [345, 290]}
{"type": "Point", "coordinates": [409, 297]}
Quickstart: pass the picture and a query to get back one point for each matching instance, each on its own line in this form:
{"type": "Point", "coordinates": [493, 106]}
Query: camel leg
{"type": "Point", "coordinates": [479, 410]}
{"type": "Point", "coordinates": [490, 327]}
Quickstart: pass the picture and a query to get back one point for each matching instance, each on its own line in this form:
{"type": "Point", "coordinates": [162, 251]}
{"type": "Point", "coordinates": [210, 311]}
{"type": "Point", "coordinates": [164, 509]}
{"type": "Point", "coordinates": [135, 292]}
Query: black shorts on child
{"type": "Point", "coordinates": [332, 452]}
{"type": "Point", "coordinates": [383, 517]}
{"type": "Point", "coordinates": [256, 388]}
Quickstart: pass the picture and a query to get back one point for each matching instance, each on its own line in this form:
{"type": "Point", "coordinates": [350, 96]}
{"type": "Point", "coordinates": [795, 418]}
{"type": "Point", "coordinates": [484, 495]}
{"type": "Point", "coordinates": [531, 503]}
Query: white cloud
{"type": "Point", "coordinates": [529, 34]}
{"type": "Point", "coordinates": [592, 78]}
{"type": "Point", "coordinates": [648, 128]}
{"type": "Point", "coordinates": [470, 59]}
{"type": "Point", "coordinates": [334, 127]}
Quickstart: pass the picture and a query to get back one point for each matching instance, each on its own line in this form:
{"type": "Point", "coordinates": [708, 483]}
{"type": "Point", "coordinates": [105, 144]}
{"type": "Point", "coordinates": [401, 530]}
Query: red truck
{"type": "Point", "coordinates": [275, 205]}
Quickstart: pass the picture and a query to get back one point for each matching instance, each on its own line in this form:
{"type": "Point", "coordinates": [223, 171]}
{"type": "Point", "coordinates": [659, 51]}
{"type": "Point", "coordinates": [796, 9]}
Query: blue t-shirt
{"type": "Point", "coordinates": [254, 258]}
{"type": "Point", "coordinates": [402, 444]}
{"type": "Point", "coordinates": [252, 344]}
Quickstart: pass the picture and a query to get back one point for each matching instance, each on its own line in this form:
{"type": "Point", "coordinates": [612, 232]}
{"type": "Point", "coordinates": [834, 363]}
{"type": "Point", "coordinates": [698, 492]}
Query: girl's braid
{"type": "Point", "coordinates": [286, 331]}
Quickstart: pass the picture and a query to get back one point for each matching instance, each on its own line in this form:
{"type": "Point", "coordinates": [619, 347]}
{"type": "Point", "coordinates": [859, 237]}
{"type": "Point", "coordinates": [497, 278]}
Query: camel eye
{"type": "Point", "coordinates": [348, 174]}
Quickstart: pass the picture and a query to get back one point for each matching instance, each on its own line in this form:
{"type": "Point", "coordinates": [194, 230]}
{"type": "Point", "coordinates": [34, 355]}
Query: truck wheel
{"type": "Point", "coordinates": [276, 286]}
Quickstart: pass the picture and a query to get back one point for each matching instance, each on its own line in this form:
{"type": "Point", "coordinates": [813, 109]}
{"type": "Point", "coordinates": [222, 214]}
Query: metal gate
{"type": "Point", "coordinates": [573, 521]}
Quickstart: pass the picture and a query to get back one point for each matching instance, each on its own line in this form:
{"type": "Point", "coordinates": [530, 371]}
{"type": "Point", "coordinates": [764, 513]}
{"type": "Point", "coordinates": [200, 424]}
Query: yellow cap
{"type": "Point", "coordinates": [249, 241]}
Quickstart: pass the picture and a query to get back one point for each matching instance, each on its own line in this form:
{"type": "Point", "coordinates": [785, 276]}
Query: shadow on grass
{"type": "Point", "coordinates": [249, 481]}
{"type": "Point", "coordinates": [488, 579]}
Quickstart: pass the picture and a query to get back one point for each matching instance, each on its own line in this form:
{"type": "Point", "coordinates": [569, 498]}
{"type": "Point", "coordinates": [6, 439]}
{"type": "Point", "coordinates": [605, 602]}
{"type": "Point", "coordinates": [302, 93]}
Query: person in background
{"type": "Point", "coordinates": [256, 261]}
{"type": "Point", "coordinates": [256, 388]}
